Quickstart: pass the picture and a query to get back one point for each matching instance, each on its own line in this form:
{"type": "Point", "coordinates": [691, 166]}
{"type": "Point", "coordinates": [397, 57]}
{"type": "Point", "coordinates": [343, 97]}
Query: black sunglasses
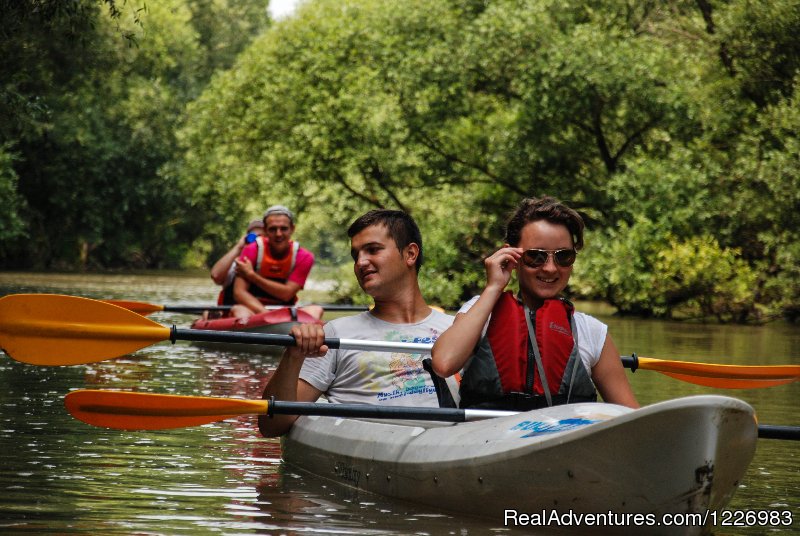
{"type": "Point", "coordinates": [536, 258]}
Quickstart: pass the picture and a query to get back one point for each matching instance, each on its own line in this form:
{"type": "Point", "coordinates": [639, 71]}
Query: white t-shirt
{"type": "Point", "coordinates": [591, 334]}
{"type": "Point", "coordinates": [371, 377]}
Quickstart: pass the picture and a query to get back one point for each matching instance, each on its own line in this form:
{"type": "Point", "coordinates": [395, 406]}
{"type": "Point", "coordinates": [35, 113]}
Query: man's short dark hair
{"type": "Point", "coordinates": [544, 208]}
{"type": "Point", "coordinates": [400, 225]}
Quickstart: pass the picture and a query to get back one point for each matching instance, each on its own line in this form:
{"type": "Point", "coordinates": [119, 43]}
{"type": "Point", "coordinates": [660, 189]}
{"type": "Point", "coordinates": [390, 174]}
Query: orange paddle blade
{"type": "Point", "coordinates": [724, 376]}
{"type": "Point", "coordinates": [146, 411]}
{"type": "Point", "coordinates": [726, 383]}
{"type": "Point", "coordinates": [142, 308]}
{"type": "Point", "coordinates": [51, 329]}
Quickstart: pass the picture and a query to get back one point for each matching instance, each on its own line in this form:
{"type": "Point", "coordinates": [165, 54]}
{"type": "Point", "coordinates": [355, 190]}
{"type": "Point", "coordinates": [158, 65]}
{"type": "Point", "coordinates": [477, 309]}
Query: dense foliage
{"type": "Point", "coordinates": [673, 126]}
{"type": "Point", "coordinates": [92, 94]}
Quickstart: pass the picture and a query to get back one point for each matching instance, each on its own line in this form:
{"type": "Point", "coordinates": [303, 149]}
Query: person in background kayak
{"type": "Point", "coordinates": [386, 247]}
{"type": "Point", "coordinates": [224, 270]}
{"type": "Point", "coordinates": [272, 269]}
{"type": "Point", "coordinates": [490, 341]}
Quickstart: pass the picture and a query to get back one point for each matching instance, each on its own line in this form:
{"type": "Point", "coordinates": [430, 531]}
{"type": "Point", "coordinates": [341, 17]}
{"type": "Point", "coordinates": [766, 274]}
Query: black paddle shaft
{"type": "Point", "coordinates": [365, 411]}
{"type": "Point", "coordinates": [200, 308]}
{"type": "Point", "coordinates": [195, 308]}
{"type": "Point", "coordinates": [772, 431]}
{"type": "Point", "coordinates": [244, 337]}
{"type": "Point", "coordinates": [630, 361]}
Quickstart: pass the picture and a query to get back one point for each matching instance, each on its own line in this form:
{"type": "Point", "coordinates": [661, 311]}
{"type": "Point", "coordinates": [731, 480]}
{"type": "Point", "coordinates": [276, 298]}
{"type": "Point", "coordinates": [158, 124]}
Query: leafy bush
{"type": "Point", "coordinates": [12, 225]}
{"type": "Point", "coordinates": [644, 270]}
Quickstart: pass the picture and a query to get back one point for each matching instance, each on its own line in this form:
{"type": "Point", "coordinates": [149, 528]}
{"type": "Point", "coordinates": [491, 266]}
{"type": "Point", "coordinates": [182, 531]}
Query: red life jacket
{"type": "Point", "coordinates": [269, 268]}
{"type": "Point", "coordinates": [274, 269]}
{"type": "Point", "coordinates": [503, 372]}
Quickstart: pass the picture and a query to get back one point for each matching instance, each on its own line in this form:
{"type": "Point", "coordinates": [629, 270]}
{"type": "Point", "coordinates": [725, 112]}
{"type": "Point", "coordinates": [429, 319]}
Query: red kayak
{"type": "Point", "coordinates": [278, 321]}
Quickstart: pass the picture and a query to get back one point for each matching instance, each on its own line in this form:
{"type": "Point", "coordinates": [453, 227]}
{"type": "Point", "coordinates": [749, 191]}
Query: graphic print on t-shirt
{"type": "Point", "coordinates": [408, 377]}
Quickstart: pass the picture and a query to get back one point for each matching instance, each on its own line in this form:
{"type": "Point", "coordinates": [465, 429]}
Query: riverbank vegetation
{"type": "Point", "coordinates": [147, 137]}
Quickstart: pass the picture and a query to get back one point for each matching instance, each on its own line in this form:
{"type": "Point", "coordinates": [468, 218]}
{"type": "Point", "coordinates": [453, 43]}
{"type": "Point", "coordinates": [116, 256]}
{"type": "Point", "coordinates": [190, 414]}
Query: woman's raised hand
{"type": "Point", "coordinates": [499, 266]}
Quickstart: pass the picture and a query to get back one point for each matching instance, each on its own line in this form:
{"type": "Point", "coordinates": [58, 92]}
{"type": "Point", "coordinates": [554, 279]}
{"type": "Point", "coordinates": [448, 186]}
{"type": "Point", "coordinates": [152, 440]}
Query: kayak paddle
{"type": "Point", "coordinates": [716, 375]}
{"type": "Point", "coordinates": [125, 410]}
{"type": "Point", "coordinates": [52, 329]}
{"type": "Point", "coordinates": [144, 308]}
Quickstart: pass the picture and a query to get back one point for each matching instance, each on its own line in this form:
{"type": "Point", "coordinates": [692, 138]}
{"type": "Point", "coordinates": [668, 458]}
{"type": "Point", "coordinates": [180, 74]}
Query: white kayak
{"type": "Point", "coordinates": [681, 456]}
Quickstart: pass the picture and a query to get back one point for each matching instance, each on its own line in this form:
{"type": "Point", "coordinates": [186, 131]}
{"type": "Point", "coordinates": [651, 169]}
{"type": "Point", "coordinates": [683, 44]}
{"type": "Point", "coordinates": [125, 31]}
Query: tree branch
{"type": "Point", "coordinates": [360, 195]}
{"type": "Point", "coordinates": [636, 135]}
{"type": "Point", "coordinates": [600, 138]}
{"type": "Point", "coordinates": [724, 55]}
{"type": "Point", "coordinates": [434, 146]}
{"type": "Point", "coordinates": [374, 172]}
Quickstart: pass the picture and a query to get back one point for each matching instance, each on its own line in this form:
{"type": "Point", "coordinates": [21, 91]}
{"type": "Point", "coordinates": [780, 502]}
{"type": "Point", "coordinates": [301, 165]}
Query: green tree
{"type": "Point", "coordinates": [764, 195]}
{"type": "Point", "coordinates": [93, 107]}
{"type": "Point", "coordinates": [671, 126]}
{"type": "Point", "coordinates": [375, 105]}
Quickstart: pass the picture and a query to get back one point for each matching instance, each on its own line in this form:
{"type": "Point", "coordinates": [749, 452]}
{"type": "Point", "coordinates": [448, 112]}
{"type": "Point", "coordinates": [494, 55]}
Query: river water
{"type": "Point", "coordinates": [59, 475]}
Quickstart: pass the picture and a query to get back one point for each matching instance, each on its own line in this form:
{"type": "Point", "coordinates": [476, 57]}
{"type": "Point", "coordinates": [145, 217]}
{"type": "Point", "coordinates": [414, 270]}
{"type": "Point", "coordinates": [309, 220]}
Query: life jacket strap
{"type": "Point", "coordinates": [538, 357]}
{"type": "Point", "coordinates": [444, 393]}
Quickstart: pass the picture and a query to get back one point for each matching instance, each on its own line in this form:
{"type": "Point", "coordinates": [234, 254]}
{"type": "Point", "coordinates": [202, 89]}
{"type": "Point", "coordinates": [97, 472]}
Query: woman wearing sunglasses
{"type": "Point", "coordinates": [532, 349]}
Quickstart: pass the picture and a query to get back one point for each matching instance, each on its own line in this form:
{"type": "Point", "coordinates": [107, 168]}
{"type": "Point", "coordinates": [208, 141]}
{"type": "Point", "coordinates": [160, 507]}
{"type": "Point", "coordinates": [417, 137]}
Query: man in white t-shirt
{"type": "Point", "coordinates": [386, 247]}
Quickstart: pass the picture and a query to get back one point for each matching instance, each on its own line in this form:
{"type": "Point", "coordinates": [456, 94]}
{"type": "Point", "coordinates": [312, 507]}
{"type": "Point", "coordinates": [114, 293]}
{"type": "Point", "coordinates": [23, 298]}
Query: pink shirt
{"type": "Point", "coordinates": [302, 264]}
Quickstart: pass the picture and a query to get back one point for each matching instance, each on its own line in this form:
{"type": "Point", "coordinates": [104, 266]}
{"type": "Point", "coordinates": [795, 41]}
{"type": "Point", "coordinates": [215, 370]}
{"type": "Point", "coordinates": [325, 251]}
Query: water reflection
{"type": "Point", "coordinates": [297, 500]}
{"type": "Point", "coordinates": [61, 476]}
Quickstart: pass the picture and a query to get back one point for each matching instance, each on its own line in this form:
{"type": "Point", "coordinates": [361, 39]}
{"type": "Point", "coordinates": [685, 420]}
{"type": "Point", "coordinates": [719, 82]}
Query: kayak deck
{"type": "Point", "coordinates": [680, 456]}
